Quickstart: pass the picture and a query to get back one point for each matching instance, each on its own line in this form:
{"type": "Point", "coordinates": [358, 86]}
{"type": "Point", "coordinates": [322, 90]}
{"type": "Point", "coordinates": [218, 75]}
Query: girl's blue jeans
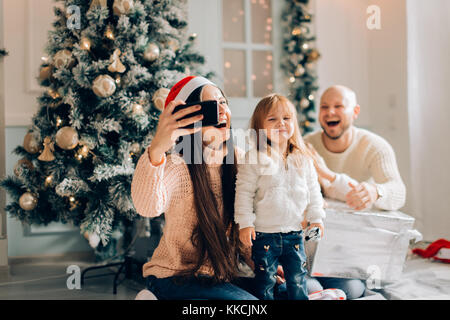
{"type": "Point", "coordinates": [287, 249]}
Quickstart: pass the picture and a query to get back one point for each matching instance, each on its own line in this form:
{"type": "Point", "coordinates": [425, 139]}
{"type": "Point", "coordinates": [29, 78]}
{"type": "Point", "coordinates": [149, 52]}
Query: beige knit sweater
{"type": "Point", "coordinates": [167, 188]}
{"type": "Point", "coordinates": [368, 158]}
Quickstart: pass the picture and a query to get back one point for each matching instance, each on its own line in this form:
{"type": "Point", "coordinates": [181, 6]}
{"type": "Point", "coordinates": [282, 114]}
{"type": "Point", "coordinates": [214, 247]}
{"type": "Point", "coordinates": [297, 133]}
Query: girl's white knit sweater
{"type": "Point", "coordinates": [273, 197]}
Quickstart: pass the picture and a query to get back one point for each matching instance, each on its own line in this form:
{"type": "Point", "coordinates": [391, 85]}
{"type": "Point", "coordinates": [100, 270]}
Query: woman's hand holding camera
{"type": "Point", "coordinates": [170, 128]}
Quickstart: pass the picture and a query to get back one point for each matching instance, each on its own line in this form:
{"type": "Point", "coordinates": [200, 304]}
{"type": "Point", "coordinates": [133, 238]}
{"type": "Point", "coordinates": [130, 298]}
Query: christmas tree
{"type": "Point", "coordinates": [298, 62]}
{"type": "Point", "coordinates": [109, 69]}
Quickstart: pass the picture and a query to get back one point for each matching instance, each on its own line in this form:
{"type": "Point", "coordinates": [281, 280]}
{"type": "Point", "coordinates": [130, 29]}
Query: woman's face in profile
{"type": "Point", "coordinates": [215, 136]}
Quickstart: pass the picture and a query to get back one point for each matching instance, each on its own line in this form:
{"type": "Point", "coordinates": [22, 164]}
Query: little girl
{"type": "Point", "coordinates": [276, 189]}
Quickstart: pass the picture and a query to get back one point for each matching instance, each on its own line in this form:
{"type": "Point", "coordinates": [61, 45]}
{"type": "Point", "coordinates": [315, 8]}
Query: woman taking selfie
{"type": "Point", "coordinates": [197, 256]}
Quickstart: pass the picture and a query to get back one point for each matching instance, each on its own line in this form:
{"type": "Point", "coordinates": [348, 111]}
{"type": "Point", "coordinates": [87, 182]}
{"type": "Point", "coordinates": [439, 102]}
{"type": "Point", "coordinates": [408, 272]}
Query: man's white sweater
{"type": "Point", "coordinates": [369, 158]}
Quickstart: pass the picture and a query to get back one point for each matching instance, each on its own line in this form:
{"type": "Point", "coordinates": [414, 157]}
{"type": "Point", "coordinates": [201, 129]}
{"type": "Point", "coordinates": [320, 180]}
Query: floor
{"type": "Point", "coordinates": [49, 281]}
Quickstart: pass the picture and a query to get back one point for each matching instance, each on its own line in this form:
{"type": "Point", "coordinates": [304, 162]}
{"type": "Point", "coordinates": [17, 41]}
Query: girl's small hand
{"type": "Point", "coordinates": [319, 225]}
{"type": "Point", "coordinates": [246, 235]}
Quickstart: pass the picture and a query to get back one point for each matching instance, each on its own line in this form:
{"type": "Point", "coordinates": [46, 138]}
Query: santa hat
{"type": "Point", "coordinates": [183, 88]}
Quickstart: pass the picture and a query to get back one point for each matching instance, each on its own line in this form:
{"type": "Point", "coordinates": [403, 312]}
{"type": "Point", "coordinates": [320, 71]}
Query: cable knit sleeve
{"type": "Point", "coordinates": [339, 188]}
{"type": "Point", "coordinates": [386, 176]}
{"type": "Point", "coordinates": [246, 184]}
{"type": "Point", "coordinates": [153, 187]}
{"type": "Point", "coordinates": [314, 211]}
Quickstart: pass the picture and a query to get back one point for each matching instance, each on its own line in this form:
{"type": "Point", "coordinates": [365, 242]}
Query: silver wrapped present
{"type": "Point", "coordinates": [369, 245]}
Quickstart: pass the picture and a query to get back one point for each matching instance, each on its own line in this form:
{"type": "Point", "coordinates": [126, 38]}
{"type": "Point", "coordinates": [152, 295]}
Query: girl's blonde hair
{"type": "Point", "coordinates": [295, 146]}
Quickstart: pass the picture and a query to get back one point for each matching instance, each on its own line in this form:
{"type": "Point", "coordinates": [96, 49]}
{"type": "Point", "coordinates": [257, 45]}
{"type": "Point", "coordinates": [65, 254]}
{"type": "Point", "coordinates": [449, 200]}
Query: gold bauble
{"type": "Point", "coordinates": [28, 201]}
{"type": "Point", "coordinates": [22, 162]}
{"type": "Point", "coordinates": [30, 143]}
{"type": "Point", "coordinates": [304, 103]}
{"type": "Point", "coordinates": [45, 73]}
{"type": "Point", "coordinates": [151, 52]}
{"type": "Point", "coordinates": [67, 138]}
{"type": "Point", "coordinates": [173, 44]}
{"type": "Point", "coordinates": [104, 86]}
{"type": "Point", "coordinates": [98, 3]}
{"type": "Point", "coordinates": [137, 108]}
{"type": "Point", "coordinates": [63, 59]}
{"type": "Point", "coordinates": [159, 98]}
{"type": "Point", "coordinates": [122, 7]}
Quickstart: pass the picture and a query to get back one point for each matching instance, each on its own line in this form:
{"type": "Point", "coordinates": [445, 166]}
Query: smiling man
{"type": "Point", "coordinates": [353, 164]}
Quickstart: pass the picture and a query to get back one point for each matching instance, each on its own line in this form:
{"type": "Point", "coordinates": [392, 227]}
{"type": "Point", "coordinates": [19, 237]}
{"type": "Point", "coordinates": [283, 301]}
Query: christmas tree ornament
{"type": "Point", "coordinates": [173, 44]}
{"type": "Point", "coordinates": [304, 103]}
{"type": "Point", "coordinates": [104, 86]}
{"type": "Point", "coordinates": [159, 98]}
{"type": "Point", "coordinates": [22, 163]}
{"type": "Point", "coordinates": [63, 59]}
{"type": "Point", "coordinates": [67, 138]}
{"type": "Point", "coordinates": [30, 143]}
{"type": "Point", "coordinates": [85, 43]}
{"type": "Point", "coordinates": [109, 33]}
{"type": "Point", "coordinates": [121, 7]}
{"type": "Point", "coordinates": [299, 71]}
{"type": "Point", "coordinates": [116, 65]}
{"type": "Point", "coordinates": [58, 121]}
{"type": "Point", "coordinates": [137, 109]}
{"type": "Point", "coordinates": [28, 201]}
{"type": "Point", "coordinates": [98, 3]}
{"type": "Point", "coordinates": [45, 73]}
{"type": "Point", "coordinates": [313, 56]}
{"type": "Point", "coordinates": [151, 52]}
{"type": "Point", "coordinates": [47, 154]}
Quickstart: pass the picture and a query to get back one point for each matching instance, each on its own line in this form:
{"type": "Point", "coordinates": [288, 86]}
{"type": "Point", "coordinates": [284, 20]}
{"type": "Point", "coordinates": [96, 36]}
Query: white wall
{"type": "Point", "coordinates": [429, 113]}
{"type": "Point", "coordinates": [342, 39]}
{"type": "Point", "coordinates": [3, 240]}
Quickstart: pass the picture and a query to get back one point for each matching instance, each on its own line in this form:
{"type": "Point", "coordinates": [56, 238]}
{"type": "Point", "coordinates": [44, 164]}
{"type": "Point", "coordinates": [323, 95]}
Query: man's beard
{"type": "Point", "coordinates": [345, 128]}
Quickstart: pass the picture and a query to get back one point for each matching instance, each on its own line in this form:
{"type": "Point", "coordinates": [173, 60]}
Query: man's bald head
{"type": "Point", "coordinates": [348, 95]}
{"type": "Point", "coordinates": [338, 110]}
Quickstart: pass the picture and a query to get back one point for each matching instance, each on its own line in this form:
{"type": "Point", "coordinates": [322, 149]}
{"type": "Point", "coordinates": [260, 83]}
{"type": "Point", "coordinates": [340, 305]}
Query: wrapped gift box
{"type": "Point", "coordinates": [368, 245]}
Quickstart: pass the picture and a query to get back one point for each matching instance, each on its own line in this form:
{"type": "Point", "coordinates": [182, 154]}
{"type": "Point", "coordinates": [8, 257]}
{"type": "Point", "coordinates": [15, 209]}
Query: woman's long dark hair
{"type": "Point", "coordinates": [216, 236]}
